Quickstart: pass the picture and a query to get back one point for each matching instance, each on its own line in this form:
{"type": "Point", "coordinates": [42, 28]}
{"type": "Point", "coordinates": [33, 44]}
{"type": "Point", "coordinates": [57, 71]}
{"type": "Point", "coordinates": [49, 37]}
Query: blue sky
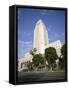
{"type": "Point", "coordinates": [54, 21]}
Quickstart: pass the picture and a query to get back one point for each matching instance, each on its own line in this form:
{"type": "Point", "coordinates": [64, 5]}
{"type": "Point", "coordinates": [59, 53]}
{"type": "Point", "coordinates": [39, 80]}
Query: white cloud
{"type": "Point", "coordinates": [27, 33]}
{"type": "Point", "coordinates": [23, 47]}
{"type": "Point", "coordinates": [27, 43]}
{"type": "Point", "coordinates": [44, 12]}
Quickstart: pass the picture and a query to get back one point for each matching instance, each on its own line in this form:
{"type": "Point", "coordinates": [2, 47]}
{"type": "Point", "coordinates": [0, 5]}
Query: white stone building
{"type": "Point", "coordinates": [40, 36]}
{"type": "Point", "coordinates": [23, 61]}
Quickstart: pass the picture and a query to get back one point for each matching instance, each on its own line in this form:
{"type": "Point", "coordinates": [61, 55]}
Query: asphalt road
{"type": "Point", "coordinates": [38, 76]}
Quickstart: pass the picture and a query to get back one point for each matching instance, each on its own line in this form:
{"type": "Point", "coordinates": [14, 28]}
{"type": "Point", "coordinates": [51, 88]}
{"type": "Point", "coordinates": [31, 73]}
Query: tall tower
{"type": "Point", "coordinates": [40, 36]}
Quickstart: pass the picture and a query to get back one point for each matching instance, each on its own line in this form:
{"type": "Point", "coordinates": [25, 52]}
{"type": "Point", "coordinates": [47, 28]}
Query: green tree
{"type": "Point", "coordinates": [62, 58]}
{"type": "Point", "coordinates": [33, 51]}
{"type": "Point", "coordinates": [51, 56]}
{"type": "Point", "coordinates": [63, 51]}
{"type": "Point", "coordinates": [61, 63]}
{"type": "Point", "coordinates": [38, 59]}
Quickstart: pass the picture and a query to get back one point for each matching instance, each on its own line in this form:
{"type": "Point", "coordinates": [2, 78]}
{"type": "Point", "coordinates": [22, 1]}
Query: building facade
{"type": "Point", "coordinates": [22, 63]}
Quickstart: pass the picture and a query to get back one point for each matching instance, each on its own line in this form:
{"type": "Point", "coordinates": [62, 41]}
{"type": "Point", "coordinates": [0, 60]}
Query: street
{"type": "Point", "coordinates": [40, 75]}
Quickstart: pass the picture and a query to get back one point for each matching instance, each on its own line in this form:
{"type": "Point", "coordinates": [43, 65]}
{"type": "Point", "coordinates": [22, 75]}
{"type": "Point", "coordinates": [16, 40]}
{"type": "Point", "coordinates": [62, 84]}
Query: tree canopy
{"type": "Point", "coordinates": [38, 59]}
{"type": "Point", "coordinates": [51, 56]}
{"type": "Point", "coordinates": [62, 58]}
{"type": "Point", "coordinates": [63, 51]}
